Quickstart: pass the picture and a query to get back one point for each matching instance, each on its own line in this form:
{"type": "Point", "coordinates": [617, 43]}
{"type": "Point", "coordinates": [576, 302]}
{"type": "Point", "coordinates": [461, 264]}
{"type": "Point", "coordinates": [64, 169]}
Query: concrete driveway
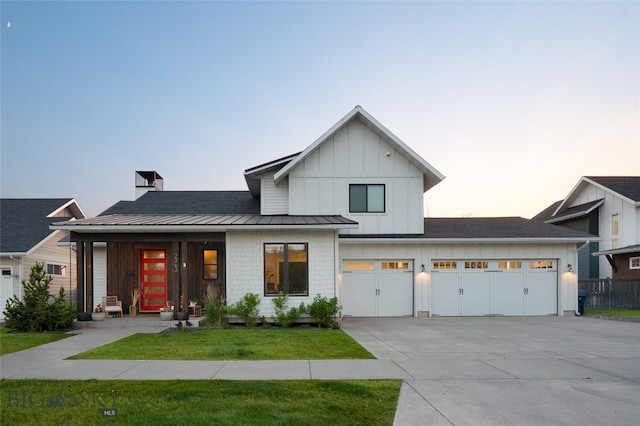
{"type": "Point", "coordinates": [510, 371]}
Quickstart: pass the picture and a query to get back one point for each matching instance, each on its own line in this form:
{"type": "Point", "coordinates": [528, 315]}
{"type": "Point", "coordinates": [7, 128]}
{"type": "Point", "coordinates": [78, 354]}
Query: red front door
{"type": "Point", "coordinates": [153, 278]}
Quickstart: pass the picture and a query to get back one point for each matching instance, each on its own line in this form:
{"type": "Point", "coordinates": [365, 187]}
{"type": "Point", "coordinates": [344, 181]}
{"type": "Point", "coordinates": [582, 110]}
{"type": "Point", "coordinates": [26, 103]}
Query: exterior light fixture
{"type": "Point", "coordinates": [422, 268]}
{"type": "Point", "coordinates": [569, 268]}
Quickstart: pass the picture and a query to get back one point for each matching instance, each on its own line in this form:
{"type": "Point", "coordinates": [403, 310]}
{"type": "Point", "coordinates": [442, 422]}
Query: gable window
{"type": "Point", "coordinates": [53, 269]}
{"type": "Point", "coordinates": [210, 258]}
{"type": "Point", "coordinates": [286, 269]}
{"type": "Point", "coordinates": [634, 262]}
{"type": "Point", "coordinates": [366, 198]}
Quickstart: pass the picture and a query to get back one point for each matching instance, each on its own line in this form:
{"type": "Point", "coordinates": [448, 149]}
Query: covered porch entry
{"type": "Point", "coordinates": [167, 268]}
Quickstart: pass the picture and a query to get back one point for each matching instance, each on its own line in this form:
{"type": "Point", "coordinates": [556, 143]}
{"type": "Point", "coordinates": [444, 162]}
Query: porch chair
{"type": "Point", "coordinates": [112, 305]}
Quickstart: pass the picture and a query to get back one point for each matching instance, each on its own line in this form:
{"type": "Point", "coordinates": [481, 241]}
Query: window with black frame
{"type": "Point", "coordinates": [286, 269]}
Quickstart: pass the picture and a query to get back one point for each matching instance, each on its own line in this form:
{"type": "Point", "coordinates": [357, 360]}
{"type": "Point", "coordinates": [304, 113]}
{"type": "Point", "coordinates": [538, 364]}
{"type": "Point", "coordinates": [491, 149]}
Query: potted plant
{"type": "Point", "coordinates": [97, 314]}
{"type": "Point", "coordinates": [193, 301]}
{"type": "Point", "coordinates": [166, 313]}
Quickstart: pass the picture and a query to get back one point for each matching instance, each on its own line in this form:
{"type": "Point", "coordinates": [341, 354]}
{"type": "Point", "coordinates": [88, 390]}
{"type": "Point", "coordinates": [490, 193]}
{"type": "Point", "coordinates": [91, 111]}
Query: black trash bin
{"type": "Point", "coordinates": [582, 299]}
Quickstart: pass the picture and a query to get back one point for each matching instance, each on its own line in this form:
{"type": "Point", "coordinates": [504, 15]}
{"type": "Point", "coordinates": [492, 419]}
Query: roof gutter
{"type": "Point", "coordinates": [529, 240]}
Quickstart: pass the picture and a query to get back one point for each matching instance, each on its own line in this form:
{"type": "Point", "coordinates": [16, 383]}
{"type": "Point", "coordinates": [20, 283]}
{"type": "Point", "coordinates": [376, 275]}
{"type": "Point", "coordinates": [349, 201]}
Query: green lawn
{"type": "Point", "coordinates": [234, 344]}
{"type": "Point", "coordinates": [614, 312]}
{"type": "Point", "coordinates": [206, 402]}
{"type": "Point", "coordinates": [11, 342]}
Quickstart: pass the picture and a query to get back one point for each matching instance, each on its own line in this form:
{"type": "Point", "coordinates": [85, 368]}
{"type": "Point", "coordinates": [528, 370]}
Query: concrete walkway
{"type": "Point", "coordinates": [456, 371]}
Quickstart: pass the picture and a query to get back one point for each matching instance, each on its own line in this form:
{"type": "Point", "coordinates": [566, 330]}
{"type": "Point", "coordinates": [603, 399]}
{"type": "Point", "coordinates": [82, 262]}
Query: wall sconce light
{"type": "Point", "coordinates": [569, 268]}
{"type": "Point", "coordinates": [422, 268]}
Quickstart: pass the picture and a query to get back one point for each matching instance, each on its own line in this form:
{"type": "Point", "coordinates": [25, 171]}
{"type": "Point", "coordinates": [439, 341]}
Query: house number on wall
{"type": "Point", "coordinates": [175, 262]}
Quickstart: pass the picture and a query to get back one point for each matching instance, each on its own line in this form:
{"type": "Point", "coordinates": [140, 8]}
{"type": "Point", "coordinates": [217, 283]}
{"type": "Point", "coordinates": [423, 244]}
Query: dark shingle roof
{"type": "Point", "coordinates": [628, 186]}
{"type": "Point", "coordinates": [188, 203]}
{"type": "Point", "coordinates": [487, 228]}
{"type": "Point", "coordinates": [24, 222]}
{"type": "Point", "coordinates": [495, 227]}
{"type": "Point", "coordinates": [547, 213]}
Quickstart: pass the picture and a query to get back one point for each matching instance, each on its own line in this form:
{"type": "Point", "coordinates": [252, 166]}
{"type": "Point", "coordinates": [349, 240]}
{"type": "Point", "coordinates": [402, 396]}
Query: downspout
{"type": "Point", "coordinates": [586, 243]}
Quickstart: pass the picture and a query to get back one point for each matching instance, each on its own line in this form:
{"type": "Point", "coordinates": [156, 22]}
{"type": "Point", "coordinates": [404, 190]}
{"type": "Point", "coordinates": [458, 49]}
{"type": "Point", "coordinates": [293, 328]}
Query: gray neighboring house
{"type": "Point", "coordinates": [25, 238]}
{"type": "Point", "coordinates": [609, 207]}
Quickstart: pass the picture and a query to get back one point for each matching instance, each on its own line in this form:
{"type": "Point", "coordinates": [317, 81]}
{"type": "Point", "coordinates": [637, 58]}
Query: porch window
{"type": "Point", "coordinates": [366, 198]}
{"type": "Point", "coordinates": [634, 262]}
{"type": "Point", "coordinates": [286, 269]}
{"type": "Point", "coordinates": [210, 264]}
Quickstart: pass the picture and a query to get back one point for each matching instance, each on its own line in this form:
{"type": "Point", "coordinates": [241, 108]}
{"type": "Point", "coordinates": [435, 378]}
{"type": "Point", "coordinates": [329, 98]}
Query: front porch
{"type": "Point", "coordinates": [138, 321]}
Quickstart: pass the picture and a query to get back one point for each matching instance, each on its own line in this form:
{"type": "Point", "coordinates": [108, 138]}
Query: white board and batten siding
{"type": "Point", "coordinates": [356, 155]}
{"type": "Point", "coordinates": [273, 199]}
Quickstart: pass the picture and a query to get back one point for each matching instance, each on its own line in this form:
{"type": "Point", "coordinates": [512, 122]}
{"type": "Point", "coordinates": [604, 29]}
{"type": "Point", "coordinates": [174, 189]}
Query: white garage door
{"type": "Point", "coordinates": [6, 289]}
{"type": "Point", "coordinates": [377, 288]}
{"type": "Point", "coordinates": [494, 287]}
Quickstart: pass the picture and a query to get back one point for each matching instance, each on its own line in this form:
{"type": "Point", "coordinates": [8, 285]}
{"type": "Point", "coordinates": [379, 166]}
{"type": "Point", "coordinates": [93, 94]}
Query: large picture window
{"type": "Point", "coordinates": [286, 269]}
{"type": "Point", "coordinates": [366, 198]}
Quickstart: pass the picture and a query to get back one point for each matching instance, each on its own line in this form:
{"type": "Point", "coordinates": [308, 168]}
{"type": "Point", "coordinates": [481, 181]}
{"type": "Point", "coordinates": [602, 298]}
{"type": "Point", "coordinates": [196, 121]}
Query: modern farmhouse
{"type": "Point", "coordinates": [344, 217]}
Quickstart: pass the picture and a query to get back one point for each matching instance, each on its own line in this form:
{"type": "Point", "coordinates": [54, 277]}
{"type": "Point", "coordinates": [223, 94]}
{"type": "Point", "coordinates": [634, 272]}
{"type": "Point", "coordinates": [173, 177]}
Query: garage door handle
{"type": "Point", "coordinates": [461, 291]}
{"type": "Point", "coordinates": [526, 291]}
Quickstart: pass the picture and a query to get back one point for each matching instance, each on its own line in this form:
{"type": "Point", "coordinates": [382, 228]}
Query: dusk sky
{"type": "Point", "coordinates": [512, 101]}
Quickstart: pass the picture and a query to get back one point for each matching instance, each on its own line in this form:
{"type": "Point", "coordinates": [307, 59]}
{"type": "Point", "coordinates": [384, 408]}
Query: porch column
{"type": "Point", "coordinates": [175, 270]}
{"type": "Point", "coordinates": [88, 279]}
{"type": "Point", "coordinates": [184, 276]}
{"type": "Point", "coordinates": [80, 277]}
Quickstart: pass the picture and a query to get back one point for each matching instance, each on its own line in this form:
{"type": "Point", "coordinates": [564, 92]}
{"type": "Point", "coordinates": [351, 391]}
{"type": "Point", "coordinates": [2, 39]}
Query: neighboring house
{"type": "Point", "coordinates": [343, 218]}
{"type": "Point", "coordinates": [607, 206]}
{"type": "Point", "coordinates": [25, 238]}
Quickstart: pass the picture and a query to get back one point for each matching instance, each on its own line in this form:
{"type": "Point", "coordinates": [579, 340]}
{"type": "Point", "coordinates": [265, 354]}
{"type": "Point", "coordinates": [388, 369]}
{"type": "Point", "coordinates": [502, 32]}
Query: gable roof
{"type": "Point", "coordinates": [188, 203]}
{"type": "Point", "coordinates": [24, 222]}
{"type": "Point", "coordinates": [626, 187]}
{"type": "Point", "coordinates": [430, 174]}
{"type": "Point", "coordinates": [251, 175]}
{"type": "Point", "coordinates": [575, 211]}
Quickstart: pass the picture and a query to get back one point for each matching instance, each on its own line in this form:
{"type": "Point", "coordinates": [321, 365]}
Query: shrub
{"type": "Point", "coordinates": [324, 310]}
{"type": "Point", "coordinates": [35, 312]}
{"type": "Point", "coordinates": [247, 308]}
{"type": "Point", "coordinates": [215, 309]}
{"type": "Point", "coordinates": [285, 317]}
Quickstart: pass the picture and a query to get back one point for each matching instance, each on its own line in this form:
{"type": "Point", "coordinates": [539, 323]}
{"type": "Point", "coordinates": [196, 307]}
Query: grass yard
{"type": "Point", "coordinates": [309, 402]}
{"type": "Point", "coordinates": [232, 345]}
{"type": "Point", "coordinates": [615, 312]}
{"type": "Point", "coordinates": [11, 342]}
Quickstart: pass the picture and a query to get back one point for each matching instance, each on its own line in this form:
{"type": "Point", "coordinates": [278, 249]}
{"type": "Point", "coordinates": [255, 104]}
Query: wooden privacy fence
{"type": "Point", "coordinates": [609, 293]}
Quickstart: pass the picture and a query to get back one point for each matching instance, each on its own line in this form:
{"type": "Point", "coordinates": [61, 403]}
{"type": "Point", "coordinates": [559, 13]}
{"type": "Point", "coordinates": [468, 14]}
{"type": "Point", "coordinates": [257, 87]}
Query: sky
{"type": "Point", "coordinates": [512, 101]}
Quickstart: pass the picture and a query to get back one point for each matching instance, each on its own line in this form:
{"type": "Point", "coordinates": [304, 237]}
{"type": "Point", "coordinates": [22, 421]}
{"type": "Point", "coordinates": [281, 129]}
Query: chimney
{"type": "Point", "coordinates": [147, 181]}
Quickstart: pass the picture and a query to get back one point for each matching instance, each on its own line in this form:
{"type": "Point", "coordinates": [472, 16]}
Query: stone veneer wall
{"type": "Point", "coordinates": [245, 264]}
